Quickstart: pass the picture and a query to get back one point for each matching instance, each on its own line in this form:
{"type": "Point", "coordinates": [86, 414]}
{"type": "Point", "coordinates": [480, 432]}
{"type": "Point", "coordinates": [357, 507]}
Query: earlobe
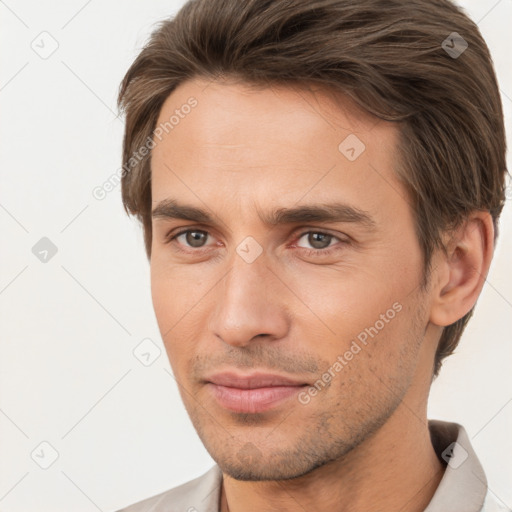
{"type": "Point", "coordinates": [462, 270]}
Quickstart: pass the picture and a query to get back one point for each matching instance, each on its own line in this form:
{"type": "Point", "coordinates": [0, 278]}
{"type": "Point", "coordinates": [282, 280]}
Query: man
{"type": "Point", "coordinates": [319, 183]}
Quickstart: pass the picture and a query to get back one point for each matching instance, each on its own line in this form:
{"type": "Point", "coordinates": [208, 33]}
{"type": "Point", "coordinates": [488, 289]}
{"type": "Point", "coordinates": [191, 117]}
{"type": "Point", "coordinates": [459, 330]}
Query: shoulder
{"type": "Point", "coordinates": [202, 493]}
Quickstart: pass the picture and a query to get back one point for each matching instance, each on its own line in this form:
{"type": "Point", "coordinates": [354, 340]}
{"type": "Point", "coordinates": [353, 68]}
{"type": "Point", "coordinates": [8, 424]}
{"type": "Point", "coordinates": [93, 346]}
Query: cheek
{"type": "Point", "coordinates": [345, 302]}
{"type": "Point", "coordinates": [168, 307]}
{"type": "Point", "coordinates": [174, 292]}
{"type": "Point", "coordinates": [366, 316]}
{"type": "Point", "coordinates": [177, 302]}
{"type": "Point", "coordinates": [162, 298]}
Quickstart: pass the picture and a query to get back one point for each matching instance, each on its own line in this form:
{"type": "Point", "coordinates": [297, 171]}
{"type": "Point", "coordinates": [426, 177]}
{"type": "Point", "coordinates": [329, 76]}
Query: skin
{"type": "Point", "coordinates": [362, 443]}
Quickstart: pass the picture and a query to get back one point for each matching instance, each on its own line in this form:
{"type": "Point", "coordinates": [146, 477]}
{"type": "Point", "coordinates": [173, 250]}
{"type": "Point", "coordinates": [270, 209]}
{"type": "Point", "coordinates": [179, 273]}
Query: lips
{"type": "Point", "coordinates": [256, 380]}
{"type": "Point", "coordinates": [253, 393]}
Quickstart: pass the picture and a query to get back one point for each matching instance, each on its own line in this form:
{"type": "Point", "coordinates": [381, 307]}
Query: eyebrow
{"type": "Point", "coordinates": [331, 212]}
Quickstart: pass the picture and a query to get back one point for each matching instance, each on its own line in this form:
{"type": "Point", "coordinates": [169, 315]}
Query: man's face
{"type": "Point", "coordinates": [294, 298]}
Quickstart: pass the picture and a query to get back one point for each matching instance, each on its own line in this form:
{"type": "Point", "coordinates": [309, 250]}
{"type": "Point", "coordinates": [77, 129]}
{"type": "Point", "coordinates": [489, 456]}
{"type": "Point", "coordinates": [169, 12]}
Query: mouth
{"type": "Point", "coordinates": [253, 393]}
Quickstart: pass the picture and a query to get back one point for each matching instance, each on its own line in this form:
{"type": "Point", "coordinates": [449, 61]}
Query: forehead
{"type": "Point", "coordinates": [310, 104]}
{"type": "Point", "coordinates": [245, 137]}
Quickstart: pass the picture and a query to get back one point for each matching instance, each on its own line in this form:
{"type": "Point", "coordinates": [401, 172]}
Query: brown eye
{"type": "Point", "coordinates": [321, 244]}
{"type": "Point", "coordinates": [318, 240]}
{"type": "Point", "coordinates": [194, 238]}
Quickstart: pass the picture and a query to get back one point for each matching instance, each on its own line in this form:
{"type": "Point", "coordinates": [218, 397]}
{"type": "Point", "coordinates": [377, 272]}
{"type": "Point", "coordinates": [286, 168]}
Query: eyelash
{"type": "Point", "coordinates": [309, 252]}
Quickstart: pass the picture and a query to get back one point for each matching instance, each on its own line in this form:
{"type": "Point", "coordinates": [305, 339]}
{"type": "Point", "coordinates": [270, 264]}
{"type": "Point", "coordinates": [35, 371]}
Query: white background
{"type": "Point", "coordinates": [68, 327]}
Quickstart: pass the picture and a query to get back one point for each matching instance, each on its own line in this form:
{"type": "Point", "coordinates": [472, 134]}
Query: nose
{"type": "Point", "coordinates": [249, 304]}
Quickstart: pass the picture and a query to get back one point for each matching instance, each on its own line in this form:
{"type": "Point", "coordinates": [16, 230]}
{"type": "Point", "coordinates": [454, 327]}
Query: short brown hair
{"type": "Point", "coordinates": [387, 55]}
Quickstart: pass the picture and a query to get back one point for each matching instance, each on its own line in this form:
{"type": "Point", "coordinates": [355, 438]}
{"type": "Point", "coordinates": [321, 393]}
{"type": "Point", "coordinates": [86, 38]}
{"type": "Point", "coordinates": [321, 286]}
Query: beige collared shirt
{"type": "Point", "coordinates": [463, 487]}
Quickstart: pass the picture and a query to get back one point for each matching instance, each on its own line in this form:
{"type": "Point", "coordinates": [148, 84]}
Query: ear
{"type": "Point", "coordinates": [461, 272]}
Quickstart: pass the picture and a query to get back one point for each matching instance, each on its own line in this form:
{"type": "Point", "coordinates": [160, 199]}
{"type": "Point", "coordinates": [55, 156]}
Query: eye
{"type": "Point", "coordinates": [321, 243]}
{"type": "Point", "coordinates": [193, 238]}
{"type": "Point", "coordinates": [318, 239]}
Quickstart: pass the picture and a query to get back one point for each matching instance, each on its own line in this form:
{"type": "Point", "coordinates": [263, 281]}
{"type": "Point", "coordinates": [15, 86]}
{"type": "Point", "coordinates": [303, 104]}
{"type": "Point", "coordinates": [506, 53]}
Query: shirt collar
{"type": "Point", "coordinates": [464, 485]}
